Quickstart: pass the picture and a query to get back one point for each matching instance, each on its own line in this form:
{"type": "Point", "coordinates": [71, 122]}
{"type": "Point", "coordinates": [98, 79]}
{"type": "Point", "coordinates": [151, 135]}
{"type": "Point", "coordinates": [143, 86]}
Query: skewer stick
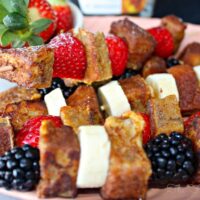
{"type": "Point", "coordinates": [6, 68]}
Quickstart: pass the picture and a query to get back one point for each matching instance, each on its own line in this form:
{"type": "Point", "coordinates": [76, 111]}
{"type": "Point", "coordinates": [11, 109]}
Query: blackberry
{"type": "Point", "coordinates": [127, 74]}
{"type": "Point", "coordinates": [58, 83]}
{"type": "Point", "coordinates": [172, 62]}
{"type": "Point", "coordinates": [18, 168]}
{"type": "Point", "coordinates": [172, 158]}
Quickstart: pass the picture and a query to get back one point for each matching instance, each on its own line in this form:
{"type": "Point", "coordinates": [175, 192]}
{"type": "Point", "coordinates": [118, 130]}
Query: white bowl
{"type": "Point", "coordinates": [77, 15]}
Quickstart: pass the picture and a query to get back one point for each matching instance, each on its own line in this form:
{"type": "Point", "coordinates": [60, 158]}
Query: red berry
{"type": "Point", "coordinates": [41, 9]}
{"type": "Point", "coordinates": [69, 57]}
{"type": "Point", "coordinates": [188, 122]}
{"type": "Point", "coordinates": [118, 53]}
{"type": "Point", "coordinates": [30, 132]}
{"type": "Point", "coordinates": [147, 129]}
{"type": "Point", "coordinates": [165, 43]}
{"type": "Point", "coordinates": [64, 18]}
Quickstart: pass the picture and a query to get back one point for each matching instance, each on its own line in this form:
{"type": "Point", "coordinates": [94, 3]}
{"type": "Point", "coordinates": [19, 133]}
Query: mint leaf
{"type": "Point", "coordinates": [14, 21]}
{"type": "Point", "coordinates": [26, 2]}
{"type": "Point", "coordinates": [40, 25]}
{"type": "Point", "coordinates": [3, 12]}
{"type": "Point", "coordinates": [35, 40]}
{"type": "Point", "coordinates": [7, 38]}
{"type": "Point", "coordinates": [3, 29]}
{"type": "Point", "coordinates": [18, 6]}
{"type": "Point", "coordinates": [18, 44]}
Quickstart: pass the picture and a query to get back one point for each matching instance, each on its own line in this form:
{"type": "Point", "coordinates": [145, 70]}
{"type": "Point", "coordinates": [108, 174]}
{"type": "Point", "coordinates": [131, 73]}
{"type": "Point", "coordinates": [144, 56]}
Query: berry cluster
{"type": "Point", "coordinates": [58, 83]}
{"type": "Point", "coordinates": [172, 158]}
{"type": "Point", "coordinates": [19, 168]}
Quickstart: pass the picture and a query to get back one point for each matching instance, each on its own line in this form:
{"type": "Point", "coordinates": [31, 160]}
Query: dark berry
{"type": "Point", "coordinates": [172, 157]}
{"type": "Point", "coordinates": [19, 168]}
{"type": "Point", "coordinates": [127, 74]}
{"type": "Point", "coordinates": [2, 164]}
{"type": "Point", "coordinates": [11, 164]}
{"type": "Point", "coordinates": [172, 62]}
{"type": "Point", "coordinates": [25, 164]}
{"type": "Point", "coordinates": [18, 173]}
{"type": "Point", "coordinates": [58, 83]}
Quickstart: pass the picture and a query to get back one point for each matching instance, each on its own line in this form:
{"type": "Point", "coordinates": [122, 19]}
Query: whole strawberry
{"type": "Point", "coordinates": [24, 22]}
{"type": "Point", "coordinates": [118, 53]}
{"type": "Point", "coordinates": [165, 43]}
{"type": "Point", "coordinates": [64, 15]}
{"type": "Point", "coordinates": [39, 9]}
{"type": "Point", "coordinates": [69, 55]}
{"type": "Point", "coordinates": [30, 132]}
{"type": "Point", "coordinates": [147, 130]}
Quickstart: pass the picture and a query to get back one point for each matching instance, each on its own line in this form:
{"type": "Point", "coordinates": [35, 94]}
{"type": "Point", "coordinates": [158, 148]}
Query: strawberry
{"type": "Point", "coordinates": [118, 53]}
{"type": "Point", "coordinates": [147, 129]}
{"type": "Point", "coordinates": [30, 132]}
{"type": "Point", "coordinates": [24, 22]}
{"type": "Point", "coordinates": [165, 43]}
{"type": "Point", "coordinates": [189, 121]}
{"type": "Point", "coordinates": [69, 57]}
{"type": "Point", "coordinates": [39, 9]}
{"type": "Point", "coordinates": [64, 15]}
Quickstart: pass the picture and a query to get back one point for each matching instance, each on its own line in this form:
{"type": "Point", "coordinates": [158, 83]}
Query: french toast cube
{"type": "Point", "coordinates": [85, 96]}
{"type": "Point", "coordinates": [191, 54]}
{"type": "Point", "coordinates": [137, 92]}
{"type": "Point", "coordinates": [154, 65]}
{"type": "Point", "coordinates": [98, 62]}
{"type": "Point", "coordinates": [188, 88]}
{"type": "Point", "coordinates": [16, 95]}
{"type": "Point", "coordinates": [165, 115]}
{"type": "Point", "coordinates": [30, 67]}
{"type": "Point", "coordinates": [59, 161]}
{"type": "Point", "coordinates": [130, 168]}
{"type": "Point", "coordinates": [140, 43]}
{"type": "Point", "coordinates": [79, 116]}
{"type": "Point", "coordinates": [6, 136]}
{"type": "Point", "coordinates": [19, 113]}
{"type": "Point", "coordinates": [176, 27]}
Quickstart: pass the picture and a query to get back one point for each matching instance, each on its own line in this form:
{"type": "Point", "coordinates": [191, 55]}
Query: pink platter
{"type": "Point", "coordinates": [102, 24]}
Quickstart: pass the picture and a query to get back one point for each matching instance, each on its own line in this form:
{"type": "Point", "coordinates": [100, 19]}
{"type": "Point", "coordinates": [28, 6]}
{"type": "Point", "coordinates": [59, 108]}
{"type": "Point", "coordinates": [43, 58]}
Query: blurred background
{"type": "Point", "coordinates": [188, 10]}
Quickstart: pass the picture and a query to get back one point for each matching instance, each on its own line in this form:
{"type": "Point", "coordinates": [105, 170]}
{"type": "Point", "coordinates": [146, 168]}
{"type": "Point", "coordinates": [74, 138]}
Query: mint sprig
{"type": "Point", "coordinates": [15, 26]}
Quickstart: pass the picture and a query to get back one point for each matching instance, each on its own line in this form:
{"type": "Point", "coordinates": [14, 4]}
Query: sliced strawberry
{"type": "Point", "coordinates": [165, 43]}
{"type": "Point", "coordinates": [64, 15]}
{"type": "Point", "coordinates": [118, 53]}
{"type": "Point", "coordinates": [39, 9]}
{"type": "Point", "coordinates": [147, 129]}
{"type": "Point", "coordinates": [69, 55]}
{"type": "Point", "coordinates": [30, 132]}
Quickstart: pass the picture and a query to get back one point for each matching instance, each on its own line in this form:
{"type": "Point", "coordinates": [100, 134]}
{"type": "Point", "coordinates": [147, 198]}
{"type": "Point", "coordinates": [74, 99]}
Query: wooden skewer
{"type": "Point", "coordinates": [6, 68]}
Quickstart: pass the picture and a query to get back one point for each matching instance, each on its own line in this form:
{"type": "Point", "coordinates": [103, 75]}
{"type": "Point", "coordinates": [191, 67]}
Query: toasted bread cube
{"type": "Point", "coordinates": [137, 92]}
{"type": "Point", "coordinates": [30, 67]}
{"type": "Point", "coordinates": [188, 88]}
{"type": "Point", "coordinates": [19, 113]}
{"type": "Point", "coordinates": [79, 116]}
{"type": "Point", "coordinates": [130, 168]}
{"type": "Point", "coordinates": [176, 27]}
{"type": "Point", "coordinates": [98, 62]}
{"type": "Point", "coordinates": [191, 54]}
{"type": "Point", "coordinates": [16, 95]}
{"type": "Point", "coordinates": [165, 115]}
{"type": "Point", "coordinates": [6, 136]}
{"type": "Point", "coordinates": [154, 65]}
{"type": "Point", "coordinates": [140, 43]}
{"type": "Point", "coordinates": [59, 161]}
